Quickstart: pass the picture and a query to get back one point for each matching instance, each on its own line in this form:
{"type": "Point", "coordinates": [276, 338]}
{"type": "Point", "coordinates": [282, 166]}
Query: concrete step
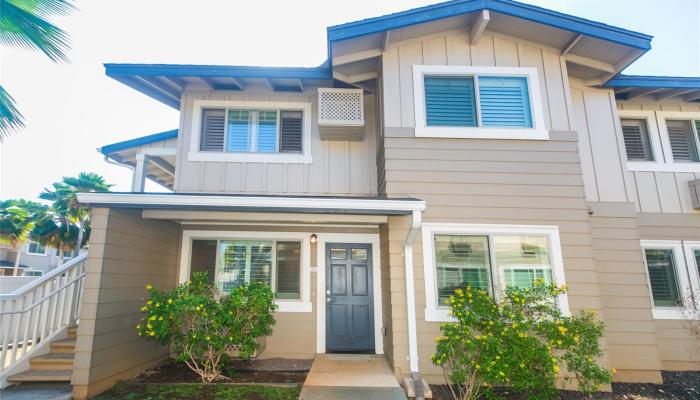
{"type": "Point", "coordinates": [63, 346]}
{"type": "Point", "coordinates": [42, 376]}
{"type": "Point", "coordinates": [52, 361]}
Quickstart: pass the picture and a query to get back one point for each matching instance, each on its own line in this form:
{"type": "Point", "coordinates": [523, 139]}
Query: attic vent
{"type": "Point", "coordinates": [341, 114]}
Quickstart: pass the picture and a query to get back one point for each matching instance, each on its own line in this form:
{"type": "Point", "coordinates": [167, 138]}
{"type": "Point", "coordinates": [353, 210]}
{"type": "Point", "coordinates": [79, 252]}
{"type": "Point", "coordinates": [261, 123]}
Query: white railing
{"type": "Point", "coordinates": [31, 316]}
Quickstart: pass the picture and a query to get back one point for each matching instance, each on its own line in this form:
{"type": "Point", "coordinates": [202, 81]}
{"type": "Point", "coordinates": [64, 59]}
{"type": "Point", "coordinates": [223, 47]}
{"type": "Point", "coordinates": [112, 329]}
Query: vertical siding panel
{"type": "Point", "coordinates": [532, 57]}
{"type": "Point", "coordinates": [648, 196]}
{"type": "Point", "coordinates": [295, 178]}
{"type": "Point", "coordinates": [584, 144]}
{"type": "Point", "coordinates": [276, 178]}
{"type": "Point", "coordinates": [409, 55]}
{"type": "Point", "coordinates": [458, 49]}
{"type": "Point", "coordinates": [555, 91]}
{"type": "Point", "coordinates": [392, 88]}
{"type": "Point", "coordinates": [684, 191]}
{"type": "Point", "coordinates": [255, 178]}
{"type": "Point", "coordinates": [482, 53]}
{"type": "Point", "coordinates": [359, 167]}
{"type": "Point", "coordinates": [234, 177]}
{"type": "Point", "coordinates": [336, 167]}
{"type": "Point", "coordinates": [506, 52]}
{"type": "Point", "coordinates": [668, 192]}
{"type": "Point", "coordinates": [317, 176]}
{"type": "Point", "coordinates": [435, 52]}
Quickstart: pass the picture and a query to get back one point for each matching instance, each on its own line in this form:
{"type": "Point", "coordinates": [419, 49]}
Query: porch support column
{"type": "Point", "coordinates": [139, 177]}
{"type": "Point", "coordinates": [411, 303]}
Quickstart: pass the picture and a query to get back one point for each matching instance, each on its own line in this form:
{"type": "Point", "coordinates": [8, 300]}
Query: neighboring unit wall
{"type": "Point", "coordinates": [337, 167]}
{"type": "Point", "coordinates": [677, 349]}
{"type": "Point", "coordinates": [126, 253]}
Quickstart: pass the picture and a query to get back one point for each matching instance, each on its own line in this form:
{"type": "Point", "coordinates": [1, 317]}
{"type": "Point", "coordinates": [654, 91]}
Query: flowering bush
{"type": "Point", "coordinates": [522, 342]}
{"type": "Point", "coordinates": [201, 326]}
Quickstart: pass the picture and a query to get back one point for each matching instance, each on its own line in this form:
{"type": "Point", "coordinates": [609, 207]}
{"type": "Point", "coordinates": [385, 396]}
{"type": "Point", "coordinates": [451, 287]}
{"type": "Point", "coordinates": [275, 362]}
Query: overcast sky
{"type": "Point", "coordinates": [73, 108]}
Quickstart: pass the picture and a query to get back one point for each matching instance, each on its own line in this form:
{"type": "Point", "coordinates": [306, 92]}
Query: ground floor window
{"type": "Point", "coordinates": [230, 263]}
{"type": "Point", "coordinates": [489, 257]}
{"type": "Point", "coordinates": [673, 270]}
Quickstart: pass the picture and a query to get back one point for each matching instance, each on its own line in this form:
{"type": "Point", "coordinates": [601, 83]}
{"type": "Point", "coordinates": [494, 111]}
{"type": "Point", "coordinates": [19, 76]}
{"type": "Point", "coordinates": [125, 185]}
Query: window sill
{"type": "Point", "coordinates": [293, 306]}
{"type": "Point", "coordinates": [37, 254]}
{"type": "Point", "coordinates": [452, 132]}
{"type": "Point", "coordinates": [667, 313]}
{"type": "Point", "coordinates": [434, 314]}
{"type": "Point", "coordinates": [250, 157]}
{"type": "Point", "coordinates": [649, 166]}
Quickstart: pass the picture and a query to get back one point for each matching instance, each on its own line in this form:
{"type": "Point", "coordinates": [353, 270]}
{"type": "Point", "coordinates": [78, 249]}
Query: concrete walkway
{"type": "Point", "coordinates": [351, 376]}
{"type": "Point", "coordinates": [38, 391]}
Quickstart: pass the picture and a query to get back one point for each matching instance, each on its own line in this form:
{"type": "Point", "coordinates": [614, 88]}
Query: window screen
{"type": "Point", "coordinates": [291, 130]}
{"type": "Point", "coordinates": [504, 102]}
{"type": "Point", "coordinates": [636, 137]}
{"type": "Point", "coordinates": [521, 260]}
{"type": "Point", "coordinates": [662, 277]}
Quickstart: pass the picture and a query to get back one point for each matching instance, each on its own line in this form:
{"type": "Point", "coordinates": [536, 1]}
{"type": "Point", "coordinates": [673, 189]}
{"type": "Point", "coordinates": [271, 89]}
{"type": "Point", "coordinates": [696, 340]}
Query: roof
{"type": "Point", "coordinates": [508, 7]}
{"type": "Point", "coordinates": [630, 86]}
{"type": "Point", "coordinates": [140, 141]}
{"type": "Point", "coordinates": [375, 205]}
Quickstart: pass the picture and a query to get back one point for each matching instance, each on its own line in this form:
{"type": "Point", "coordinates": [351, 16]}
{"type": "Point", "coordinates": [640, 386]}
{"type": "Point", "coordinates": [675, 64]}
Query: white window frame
{"type": "Point", "coordinates": [689, 248]}
{"type": "Point", "coordinates": [303, 304]}
{"type": "Point", "coordinates": [437, 313]}
{"type": "Point", "coordinates": [537, 132]}
{"type": "Point", "coordinates": [687, 277]}
{"type": "Point", "coordinates": [44, 254]}
{"type": "Point", "coordinates": [195, 154]}
{"type": "Point", "coordinates": [661, 117]}
{"type": "Point", "coordinates": [654, 141]}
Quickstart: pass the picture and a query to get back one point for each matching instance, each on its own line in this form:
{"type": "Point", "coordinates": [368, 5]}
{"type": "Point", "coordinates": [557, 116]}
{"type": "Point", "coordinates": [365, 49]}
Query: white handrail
{"type": "Point", "coordinates": [34, 314]}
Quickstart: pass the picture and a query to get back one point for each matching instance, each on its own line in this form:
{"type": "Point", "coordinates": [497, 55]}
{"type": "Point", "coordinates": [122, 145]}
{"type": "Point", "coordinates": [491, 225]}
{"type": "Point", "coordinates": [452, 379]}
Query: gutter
{"type": "Point", "coordinates": [411, 305]}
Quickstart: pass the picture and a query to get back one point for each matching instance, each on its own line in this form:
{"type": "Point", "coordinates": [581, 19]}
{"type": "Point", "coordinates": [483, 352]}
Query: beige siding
{"type": "Point", "coordinates": [126, 253]}
{"type": "Point", "coordinates": [338, 167]}
{"type": "Point", "coordinates": [677, 349]}
{"type": "Point", "coordinates": [454, 48]}
{"type": "Point", "coordinates": [630, 328]}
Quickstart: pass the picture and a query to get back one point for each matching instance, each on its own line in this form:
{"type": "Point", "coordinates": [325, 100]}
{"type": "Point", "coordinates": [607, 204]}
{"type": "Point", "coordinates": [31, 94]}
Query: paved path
{"type": "Point", "coordinates": [37, 391]}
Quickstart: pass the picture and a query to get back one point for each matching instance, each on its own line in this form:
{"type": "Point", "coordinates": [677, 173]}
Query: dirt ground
{"type": "Point", "coordinates": [259, 371]}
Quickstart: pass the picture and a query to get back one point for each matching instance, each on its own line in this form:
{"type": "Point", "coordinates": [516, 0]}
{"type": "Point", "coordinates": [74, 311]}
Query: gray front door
{"type": "Point", "coordinates": [349, 300]}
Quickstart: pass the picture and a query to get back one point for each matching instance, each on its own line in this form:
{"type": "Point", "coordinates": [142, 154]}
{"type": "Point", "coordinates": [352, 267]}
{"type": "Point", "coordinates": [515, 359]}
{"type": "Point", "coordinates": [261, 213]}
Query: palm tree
{"type": "Point", "coordinates": [17, 219]}
{"type": "Point", "coordinates": [24, 23]}
{"type": "Point", "coordinates": [65, 199]}
{"type": "Point", "coordinates": [55, 230]}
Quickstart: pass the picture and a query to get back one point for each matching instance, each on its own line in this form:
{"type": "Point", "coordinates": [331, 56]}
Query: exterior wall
{"type": "Point", "coordinates": [677, 349]}
{"type": "Point", "coordinates": [126, 253]}
{"type": "Point", "coordinates": [338, 167]}
{"type": "Point", "coordinates": [630, 329]}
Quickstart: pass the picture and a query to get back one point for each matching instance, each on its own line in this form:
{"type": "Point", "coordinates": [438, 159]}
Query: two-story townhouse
{"type": "Point", "coordinates": [35, 259]}
{"type": "Point", "coordinates": [482, 142]}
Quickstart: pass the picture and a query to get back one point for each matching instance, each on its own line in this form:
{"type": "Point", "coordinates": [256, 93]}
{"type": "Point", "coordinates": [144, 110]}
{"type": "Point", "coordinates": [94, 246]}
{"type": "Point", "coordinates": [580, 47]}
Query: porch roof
{"type": "Point", "coordinates": [375, 205]}
{"type": "Point", "coordinates": [661, 87]}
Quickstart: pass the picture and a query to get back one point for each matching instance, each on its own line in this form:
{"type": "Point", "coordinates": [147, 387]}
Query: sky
{"type": "Point", "coordinates": [73, 108]}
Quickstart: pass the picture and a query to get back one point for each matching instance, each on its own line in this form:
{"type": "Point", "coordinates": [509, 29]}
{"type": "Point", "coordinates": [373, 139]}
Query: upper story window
{"type": "Point", "coordinates": [36, 249]}
{"type": "Point", "coordinates": [661, 140]}
{"type": "Point", "coordinates": [238, 131]}
{"type": "Point", "coordinates": [478, 102]}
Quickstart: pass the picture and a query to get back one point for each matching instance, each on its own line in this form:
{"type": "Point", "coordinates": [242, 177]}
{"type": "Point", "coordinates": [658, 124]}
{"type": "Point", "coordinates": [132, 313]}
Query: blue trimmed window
{"type": "Point", "coordinates": [503, 101]}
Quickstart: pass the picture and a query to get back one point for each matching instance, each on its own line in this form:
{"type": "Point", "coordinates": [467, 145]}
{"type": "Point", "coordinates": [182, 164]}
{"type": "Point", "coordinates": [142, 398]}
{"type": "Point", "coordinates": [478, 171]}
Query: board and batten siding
{"type": "Point", "coordinates": [126, 253]}
{"type": "Point", "coordinates": [453, 48]}
{"type": "Point", "coordinates": [338, 167]}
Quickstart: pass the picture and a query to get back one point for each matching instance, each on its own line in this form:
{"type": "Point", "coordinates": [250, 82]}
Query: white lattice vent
{"type": "Point", "coordinates": [341, 114]}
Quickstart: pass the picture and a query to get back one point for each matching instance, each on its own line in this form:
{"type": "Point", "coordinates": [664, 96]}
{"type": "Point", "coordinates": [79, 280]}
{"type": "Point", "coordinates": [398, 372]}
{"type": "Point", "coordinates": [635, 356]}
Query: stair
{"type": "Point", "coordinates": [56, 366]}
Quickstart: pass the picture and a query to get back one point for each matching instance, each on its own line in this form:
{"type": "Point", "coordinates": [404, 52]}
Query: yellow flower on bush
{"type": "Point", "coordinates": [562, 329]}
{"type": "Point", "coordinates": [555, 368]}
{"type": "Point", "coordinates": [149, 287]}
{"type": "Point", "coordinates": [170, 301]}
{"type": "Point", "coordinates": [144, 309]}
{"type": "Point", "coordinates": [149, 302]}
{"type": "Point", "coordinates": [614, 371]}
{"type": "Point", "coordinates": [151, 333]}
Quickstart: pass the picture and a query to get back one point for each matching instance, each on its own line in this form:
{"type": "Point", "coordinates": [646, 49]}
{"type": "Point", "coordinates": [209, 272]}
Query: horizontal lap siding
{"type": "Point", "coordinates": [677, 349]}
{"type": "Point", "coordinates": [338, 167]}
{"type": "Point", "coordinates": [126, 253]}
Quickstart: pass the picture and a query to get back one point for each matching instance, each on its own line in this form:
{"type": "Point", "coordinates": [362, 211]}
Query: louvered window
{"type": "Point", "coordinates": [661, 266]}
{"type": "Point", "coordinates": [636, 137]}
{"type": "Point", "coordinates": [252, 131]}
{"type": "Point", "coordinates": [503, 101]}
{"type": "Point", "coordinates": [684, 146]}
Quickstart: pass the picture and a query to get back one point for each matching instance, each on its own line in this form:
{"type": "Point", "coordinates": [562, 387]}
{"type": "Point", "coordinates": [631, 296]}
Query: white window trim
{"type": "Point", "coordinates": [537, 132]}
{"type": "Point", "coordinates": [284, 305]}
{"type": "Point", "coordinates": [654, 141]}
{"type": "Point", "coordinates": [689, 248]}
{"type": "Point", "coordinates": [686, 278]}
{"type": "Point", "coordinates": [44, 254]}
{"type": "Point", "coordinates": [222, 156]}
{"type": "Point", "coordinates": [661, 117]}
{"type": "Point", "coordinates": [441, 314]}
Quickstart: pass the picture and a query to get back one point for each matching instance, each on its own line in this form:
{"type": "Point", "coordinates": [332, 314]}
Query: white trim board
{"type": "Point", "coordinates": [537, 132]}
{"type": "Point", "coordinates": [322, 239]}
{"type": "Point", "coordinates": [433, 312]}
{"type": "Point", "coordinates": [196, 128]}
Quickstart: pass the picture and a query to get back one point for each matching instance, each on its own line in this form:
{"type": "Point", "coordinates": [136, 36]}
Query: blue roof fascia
{"type": "Point", "coordinates": [642, 81]}
{"type": "Point", "coordinates": [127, 144]}
{"type": "Point", "coordinates": [212, 71]}
{"type": "Point", "coordinates": [507, 7]}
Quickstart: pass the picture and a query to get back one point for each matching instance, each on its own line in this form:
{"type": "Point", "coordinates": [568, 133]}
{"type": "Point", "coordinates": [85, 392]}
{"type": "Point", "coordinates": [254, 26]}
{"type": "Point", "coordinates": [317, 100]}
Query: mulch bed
{"type": "Point", "coordinates": [131, 391]}
{"type": "Point", "coordinates": [254, 371]}
{"type": "Point", "coordinates": [677, 386]}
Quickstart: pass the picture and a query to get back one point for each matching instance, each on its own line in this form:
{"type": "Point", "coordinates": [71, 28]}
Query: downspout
{"type": "Point", "coordinates": [411, 304]}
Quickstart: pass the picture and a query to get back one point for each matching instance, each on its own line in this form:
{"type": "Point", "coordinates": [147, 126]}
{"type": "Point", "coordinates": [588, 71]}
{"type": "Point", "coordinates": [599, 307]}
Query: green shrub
{"type": "Point", "coordinates": [522, 341]}
{"type": "Point", "coordinates": [202, 326]}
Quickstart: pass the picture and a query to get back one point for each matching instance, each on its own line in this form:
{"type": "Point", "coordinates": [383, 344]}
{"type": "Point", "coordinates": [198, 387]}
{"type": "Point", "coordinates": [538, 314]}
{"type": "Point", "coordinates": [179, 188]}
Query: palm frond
{"type": "Point", "coordinates": [45, 8]}
{"type": "Point", "coordinates": [11, 119]}
{"type": "Point", "coordinates": [22, 28]}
